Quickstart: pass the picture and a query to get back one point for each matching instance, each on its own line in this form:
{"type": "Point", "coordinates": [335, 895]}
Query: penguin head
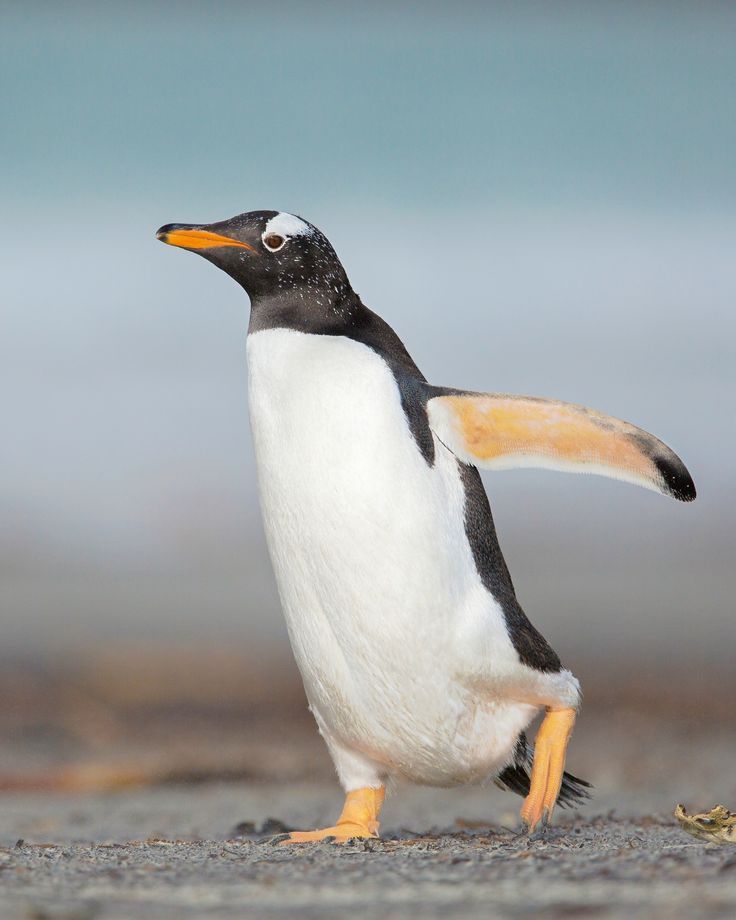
{"type": "Point", "coordinates": [275, 256]}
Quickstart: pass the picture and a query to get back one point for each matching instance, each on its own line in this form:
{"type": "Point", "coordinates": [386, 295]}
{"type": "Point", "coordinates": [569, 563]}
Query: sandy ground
{"type": "Point", "coordinates": [150, 786]}
{"type": "Point", "coordinates": [207, 849]}
{"type": "Point", "coordinates": [195, 863]}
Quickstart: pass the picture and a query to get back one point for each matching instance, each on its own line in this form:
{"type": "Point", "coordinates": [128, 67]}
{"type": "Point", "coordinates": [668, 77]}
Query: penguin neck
{"type": "Point", "coordinates": [346, 316]}
{"type": "Point", "coordinates": [321, 311]}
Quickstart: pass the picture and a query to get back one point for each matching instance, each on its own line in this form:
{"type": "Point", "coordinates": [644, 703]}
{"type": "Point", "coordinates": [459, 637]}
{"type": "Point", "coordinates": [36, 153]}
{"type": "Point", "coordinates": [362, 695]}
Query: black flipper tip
{"type": "Point", "coordinates": [676, 478]}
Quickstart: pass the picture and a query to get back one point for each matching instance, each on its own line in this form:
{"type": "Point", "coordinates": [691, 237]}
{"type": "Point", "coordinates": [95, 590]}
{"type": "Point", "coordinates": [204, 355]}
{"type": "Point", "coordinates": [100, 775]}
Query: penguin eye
{"type": "Point", "coordinates": [273, 241]}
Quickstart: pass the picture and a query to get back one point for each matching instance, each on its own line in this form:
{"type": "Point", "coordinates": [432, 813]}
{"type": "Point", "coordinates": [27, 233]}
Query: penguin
{"type": "Point", "coordinates": [418, 661]}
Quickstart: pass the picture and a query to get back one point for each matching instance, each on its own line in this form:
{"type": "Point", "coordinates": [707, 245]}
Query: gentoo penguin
{"type": "Point", "coordinates": [417, 659]}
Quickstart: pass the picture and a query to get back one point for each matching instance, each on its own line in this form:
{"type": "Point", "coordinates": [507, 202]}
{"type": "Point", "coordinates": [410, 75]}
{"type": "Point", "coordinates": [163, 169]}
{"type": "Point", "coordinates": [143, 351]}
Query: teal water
{"type": "Point", "coordinates": [417, 105]}
{"type": "Point", "coordinates": [539, 197]}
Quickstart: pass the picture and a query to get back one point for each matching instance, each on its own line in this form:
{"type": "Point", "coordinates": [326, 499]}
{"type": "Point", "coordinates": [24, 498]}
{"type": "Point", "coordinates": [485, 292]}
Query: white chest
{"type": "Point", "coordinates": [367, 540]}
{"type": "Point", "coordinates": [344, 486]}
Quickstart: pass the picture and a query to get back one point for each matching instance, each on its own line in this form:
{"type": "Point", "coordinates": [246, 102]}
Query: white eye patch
{"type": "Point", "coordinates": [287, 225]}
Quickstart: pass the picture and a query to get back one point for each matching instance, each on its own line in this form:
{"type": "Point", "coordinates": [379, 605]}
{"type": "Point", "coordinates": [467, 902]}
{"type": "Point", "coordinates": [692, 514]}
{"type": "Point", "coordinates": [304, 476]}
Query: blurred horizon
{"type": "Point", "coordinates": [538, 200]}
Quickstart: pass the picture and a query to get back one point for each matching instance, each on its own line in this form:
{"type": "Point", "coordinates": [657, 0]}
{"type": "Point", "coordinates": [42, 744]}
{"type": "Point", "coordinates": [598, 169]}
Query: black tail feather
{"type": "Point", "coordinates": [516, 778]}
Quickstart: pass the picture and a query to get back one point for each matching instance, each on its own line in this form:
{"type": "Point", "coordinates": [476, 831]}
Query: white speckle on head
{"type": "Point", "coordinates": [288, 225]}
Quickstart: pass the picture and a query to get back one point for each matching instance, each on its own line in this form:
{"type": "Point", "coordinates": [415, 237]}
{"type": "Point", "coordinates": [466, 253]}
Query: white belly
{"type": "Point", "coordinates": [375, 574]}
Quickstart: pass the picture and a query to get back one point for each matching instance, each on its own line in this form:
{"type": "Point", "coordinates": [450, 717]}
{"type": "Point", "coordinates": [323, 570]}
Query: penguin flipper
{"type": "Point", "coordinates": [497, 431]}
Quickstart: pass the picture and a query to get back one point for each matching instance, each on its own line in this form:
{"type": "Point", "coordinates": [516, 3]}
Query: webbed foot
{"type": "Point", "coordinates": [359, 818]}
{"type": "Point", "coordinates": [550, 748]}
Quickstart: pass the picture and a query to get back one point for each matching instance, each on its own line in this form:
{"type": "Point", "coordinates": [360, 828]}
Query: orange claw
{"type": "Point", "coordinates": [550, 748]}
{"type": "Point", "coordinates": [359, 818]}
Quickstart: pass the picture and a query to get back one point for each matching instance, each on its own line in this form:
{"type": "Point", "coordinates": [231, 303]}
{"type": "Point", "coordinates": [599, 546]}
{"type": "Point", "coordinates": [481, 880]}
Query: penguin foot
{"type": "Point", "coordinates": [340, 833]}
{"type": "Point", "coordinates": [550, 748]}
{"type": "Point", "coordinates": [359, 818]}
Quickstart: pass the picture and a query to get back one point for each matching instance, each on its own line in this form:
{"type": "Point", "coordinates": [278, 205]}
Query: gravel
{"type": "Point", "coordinates": [208, 851]}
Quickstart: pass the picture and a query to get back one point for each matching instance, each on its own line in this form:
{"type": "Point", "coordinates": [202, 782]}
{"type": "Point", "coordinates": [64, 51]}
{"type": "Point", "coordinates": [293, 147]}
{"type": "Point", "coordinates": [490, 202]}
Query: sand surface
{"type": "Point", "coordinates": [201, 850]}
{"type": "Point", "coordinates": [144, 791]}
{"type": "Point", "coordinates": [176, 852]}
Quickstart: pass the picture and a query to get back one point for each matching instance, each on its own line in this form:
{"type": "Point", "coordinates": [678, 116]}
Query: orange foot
{"type": "Point", "coordinates": [550, 748]}
{"type": "Point", "coordinates": [359, 818]}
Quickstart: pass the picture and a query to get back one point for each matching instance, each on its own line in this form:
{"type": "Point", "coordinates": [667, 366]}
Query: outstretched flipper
{"type": "Point", "coordinates": [497, 432]}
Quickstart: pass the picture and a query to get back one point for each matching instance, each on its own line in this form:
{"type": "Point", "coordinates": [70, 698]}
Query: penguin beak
{"type": "Point", "coordinates": [191, 236]}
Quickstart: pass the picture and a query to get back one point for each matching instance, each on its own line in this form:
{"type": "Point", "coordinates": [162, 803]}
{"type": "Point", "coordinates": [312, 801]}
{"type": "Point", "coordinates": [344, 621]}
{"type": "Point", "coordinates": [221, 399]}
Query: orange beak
{"type": "Point", "coordinates": [194, 238]}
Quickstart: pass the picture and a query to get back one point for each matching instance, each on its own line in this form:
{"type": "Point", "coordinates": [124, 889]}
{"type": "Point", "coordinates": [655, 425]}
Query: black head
{"type": "Point", "coordinates": [284, 263]}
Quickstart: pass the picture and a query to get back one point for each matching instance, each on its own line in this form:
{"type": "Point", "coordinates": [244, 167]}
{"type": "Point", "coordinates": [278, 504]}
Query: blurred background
{"type": "Point", "coordinates": [540, 198]}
